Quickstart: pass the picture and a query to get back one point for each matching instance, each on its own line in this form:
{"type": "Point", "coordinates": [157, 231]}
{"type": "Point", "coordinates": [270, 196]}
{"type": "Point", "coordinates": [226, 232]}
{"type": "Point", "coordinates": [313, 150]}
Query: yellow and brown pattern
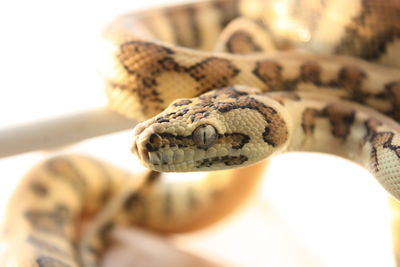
{"type": "Point", "coordinates": [225, 116]}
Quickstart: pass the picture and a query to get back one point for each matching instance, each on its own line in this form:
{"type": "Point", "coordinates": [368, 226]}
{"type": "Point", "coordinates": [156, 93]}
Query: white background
{"type": "Point", "coordinates": [312, 211]}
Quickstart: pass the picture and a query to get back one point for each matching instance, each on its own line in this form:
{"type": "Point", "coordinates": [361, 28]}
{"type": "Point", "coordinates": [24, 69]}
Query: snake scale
{"type": "Point", "coordinates": [221, 84]}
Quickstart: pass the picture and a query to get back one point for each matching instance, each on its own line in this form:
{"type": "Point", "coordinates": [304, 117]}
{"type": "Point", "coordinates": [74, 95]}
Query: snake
{"type": "Point", "coordinates": [219, 86]}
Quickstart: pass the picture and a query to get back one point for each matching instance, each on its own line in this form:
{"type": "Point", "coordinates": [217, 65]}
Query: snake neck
{"type": "Point", "coordinates": [345, 129]}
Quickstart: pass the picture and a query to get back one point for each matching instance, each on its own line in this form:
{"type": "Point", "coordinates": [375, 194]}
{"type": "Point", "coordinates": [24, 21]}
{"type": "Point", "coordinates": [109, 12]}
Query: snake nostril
{"type": "Point", "coordinates": [155, 140]}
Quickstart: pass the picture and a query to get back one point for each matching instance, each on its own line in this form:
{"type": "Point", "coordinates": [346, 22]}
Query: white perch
{"type": "Point", "coordinates": [56, 132]}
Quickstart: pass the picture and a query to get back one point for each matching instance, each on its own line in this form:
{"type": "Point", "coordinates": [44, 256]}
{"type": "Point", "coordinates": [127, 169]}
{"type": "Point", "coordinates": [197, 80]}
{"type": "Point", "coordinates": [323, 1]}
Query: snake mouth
{"type": "Point", "coordinates": [180, 160]}
{"type": "Point", "coordinates": [161, 160]}
{"type": "Point", "coordinates": [226, 161]}
{"type": "Point", "coordinates": [167, 152]}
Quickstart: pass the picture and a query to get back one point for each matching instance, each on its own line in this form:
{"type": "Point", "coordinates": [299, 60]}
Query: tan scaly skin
{"type": "Point", "coordinates": [220, 113]}
{"type": "Point", "coordinates": [239, 126]}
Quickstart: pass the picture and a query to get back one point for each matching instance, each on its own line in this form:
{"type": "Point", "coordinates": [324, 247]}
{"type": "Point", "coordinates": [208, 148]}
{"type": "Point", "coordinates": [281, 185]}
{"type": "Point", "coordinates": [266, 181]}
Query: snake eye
{"type": "Point", "coordinates": [205, 136]}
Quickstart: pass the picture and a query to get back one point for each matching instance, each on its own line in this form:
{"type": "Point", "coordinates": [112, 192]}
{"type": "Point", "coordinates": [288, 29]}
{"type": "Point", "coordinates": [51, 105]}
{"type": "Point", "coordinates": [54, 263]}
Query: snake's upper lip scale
{"type": "Point", "coordinates": [154, 158]}
{"type": "Point", "coordinates": [140, 153]}
{"type": "Point", "coordinates": [144, 155]}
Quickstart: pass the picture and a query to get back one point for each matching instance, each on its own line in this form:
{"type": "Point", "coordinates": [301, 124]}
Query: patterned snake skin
{"type": "Point", "coordinates": [222, 84]}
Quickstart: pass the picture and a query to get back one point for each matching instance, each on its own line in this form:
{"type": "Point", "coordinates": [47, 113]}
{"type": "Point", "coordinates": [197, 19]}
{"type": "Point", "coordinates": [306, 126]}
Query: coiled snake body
{"type": "Point", "coordinates": [217, 110]}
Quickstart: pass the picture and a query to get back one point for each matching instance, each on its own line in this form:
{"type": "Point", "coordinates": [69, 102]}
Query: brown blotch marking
{"type": "Point", "coordinates": [162, 119]}
{"type": "Point", "coordinates": [132, 200]}
{"type": "Point", "coordinates": [212, 73]}
{"type": "Point", "coordinates": [231, 10]}
{"type": "Point", "coordinates": [275, 133]}
{"type": "Point", "coordinates": [39, 188]}
{"type": "Point", "coordinates": [311, 72]}
{"type": "Point", "coordinates": [143, 58]}
{"type": "Point", "coordinates": [199, 116]}
{"type": "Point", "coordinates": [383, 140]}
{"type": "Point", "coordinates": [341, 118]}
{"type": "Point", "coordinates": [389, 144]}
{"type": "Point", "coordinates": [64, 169]}
{"type": "Point", "coordinates": [169, 64]}
{"type": "Point", "coordinates": [308, 120]}
{"type": "Point", "coordinates": [241, 42]}
{"type": "Point", "coordinates": [173, 115]}
{"type": "Point", "coordinates": [270, 72]}
{"type": "Point", "coordinates": [135, 206]}
{"type": "Point", "coordinates": [368, 34]}
{"type": "Point", "coordinates": [153, 177]}
{"type": "Point", "coordinates": [227, 160]}
{"type": "Point", "coordinates": [145, 61]}
{"type": "Point", "coordinates": [350, 78]}
{"type": "Point", "coordinates": [277, 136]}
{"type": "Point", "coordinates": [47, 261]}
{"type": "Point", "coordinates": [103, 234]}
{"type": "Point", "coordinates": [237, 140]}
{"type": "Point", "coordinates": [106, 228]}
{"type": "Point", "coordinates": [182, 102]}
{"type": "Point", "coordinates": [393, 95]}
{"type": "Point", "coordinates": [371, 126]}
{"type": "Point", "coordinates": [179, 18]}
{"type": "Point", "coordinates": [136, 198]}
{"type": "Point", "coordinates": [379, 139]}
{"type": "Point", "coordinates": [52, 222]}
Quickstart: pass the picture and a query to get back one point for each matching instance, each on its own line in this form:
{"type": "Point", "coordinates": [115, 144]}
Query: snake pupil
{"type": "Point", "coordinates": [205, 136]}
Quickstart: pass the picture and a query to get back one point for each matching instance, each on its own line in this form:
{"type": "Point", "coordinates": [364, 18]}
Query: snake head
{"type": "Point", "coordinates": [224, 128]}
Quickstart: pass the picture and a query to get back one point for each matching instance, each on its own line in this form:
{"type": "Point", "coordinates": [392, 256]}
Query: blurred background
{"type": "Point", "coordinates": [311, 210]}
